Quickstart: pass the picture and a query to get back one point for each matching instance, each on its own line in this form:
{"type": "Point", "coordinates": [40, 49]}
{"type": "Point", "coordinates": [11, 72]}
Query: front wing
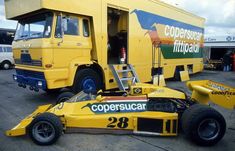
{"type": "Point", "coordinates": [20, 129]}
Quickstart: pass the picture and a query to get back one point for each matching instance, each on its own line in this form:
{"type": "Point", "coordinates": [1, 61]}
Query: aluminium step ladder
{"type": "Point", "coordinates": [125, 76]}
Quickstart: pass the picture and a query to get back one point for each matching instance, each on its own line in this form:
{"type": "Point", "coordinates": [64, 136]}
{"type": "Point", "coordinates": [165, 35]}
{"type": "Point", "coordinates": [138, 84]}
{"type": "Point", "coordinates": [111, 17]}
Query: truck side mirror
{"type": "Point", "coordinates": [60, 28]}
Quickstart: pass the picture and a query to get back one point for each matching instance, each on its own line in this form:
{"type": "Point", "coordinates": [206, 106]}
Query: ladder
{"type": "Point", "coordinates": [124, 76]}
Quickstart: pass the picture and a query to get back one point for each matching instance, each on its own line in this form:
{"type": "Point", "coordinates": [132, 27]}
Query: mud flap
{"type": "Point", "coordinates": [20, 129]}
{"type": "Point", "coordinates": [184, 76]}
{"type": "Point", "coordinates": [206, 90]}
{"type": "Point", "coordinates": [159, 80]}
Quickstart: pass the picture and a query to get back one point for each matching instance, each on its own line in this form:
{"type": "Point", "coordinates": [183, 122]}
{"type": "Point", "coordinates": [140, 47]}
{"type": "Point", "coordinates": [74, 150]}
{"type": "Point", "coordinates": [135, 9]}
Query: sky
{"type": "Point", "coordinates": [219, 15]}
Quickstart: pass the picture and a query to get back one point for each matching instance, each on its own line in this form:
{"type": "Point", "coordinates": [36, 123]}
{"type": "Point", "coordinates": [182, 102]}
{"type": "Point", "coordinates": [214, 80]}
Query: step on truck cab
{"type": "Point", "coordinates": [61, 44]}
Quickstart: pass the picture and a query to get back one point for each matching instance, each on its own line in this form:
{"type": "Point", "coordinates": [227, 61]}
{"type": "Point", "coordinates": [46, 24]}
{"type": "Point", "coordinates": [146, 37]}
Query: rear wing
{"type": "Point", "coordinates": [206, 90]}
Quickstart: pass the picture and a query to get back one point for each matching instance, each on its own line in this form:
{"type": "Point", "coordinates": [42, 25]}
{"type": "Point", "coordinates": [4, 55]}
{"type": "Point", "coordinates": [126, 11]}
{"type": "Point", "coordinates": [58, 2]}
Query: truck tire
{"type": "Point", "coordinates": [87, 79]}
{"type": "Point", "coordinates": [203, 125]}
{"type": "Point", "coordinates": [53, 91]}
{"type": "Point", "coordinates": [64, 97]}
{"type": "Point", "coordinates": [45, 129]}
{"type": "Point", "coordinates": [6, 65]}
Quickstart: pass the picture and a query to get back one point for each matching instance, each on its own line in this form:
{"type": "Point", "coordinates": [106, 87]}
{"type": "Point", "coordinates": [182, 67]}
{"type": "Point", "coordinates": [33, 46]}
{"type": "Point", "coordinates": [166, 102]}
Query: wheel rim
{"type": "Point", "coordinates": [6, 66]}
{"type": "Point", "coordinates": [43, 131]}
{"type": "Point", "coordinates": [209, 129]}
{"type": "Point", "coordinates": [88, 84]}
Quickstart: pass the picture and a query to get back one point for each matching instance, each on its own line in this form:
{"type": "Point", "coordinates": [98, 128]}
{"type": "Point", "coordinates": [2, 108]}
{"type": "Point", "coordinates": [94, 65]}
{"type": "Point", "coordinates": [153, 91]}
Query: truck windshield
{"type": "Point", "coordinates": [38, 26]}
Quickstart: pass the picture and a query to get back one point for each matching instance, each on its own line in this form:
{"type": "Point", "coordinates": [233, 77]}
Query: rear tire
{"type": "Point", "coordinates": [6, 65]}
{"type": "Point", "coordinates": [63, 97]}
{"type": "Point", "coordinates": [45, 129]}
{"type": "Point", "coordinates": [87, 79]}
{"type": "Point", "coordinates": [203, 125]}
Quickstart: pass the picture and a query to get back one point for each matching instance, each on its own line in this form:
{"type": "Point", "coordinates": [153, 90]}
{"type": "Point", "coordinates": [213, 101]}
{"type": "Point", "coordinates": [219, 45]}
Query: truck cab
{"type": "Point", "coordinates": [46, 45]}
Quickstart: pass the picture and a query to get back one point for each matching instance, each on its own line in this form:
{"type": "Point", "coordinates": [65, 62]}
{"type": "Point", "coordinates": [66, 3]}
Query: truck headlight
{"type": "Point", "coordinates": [40, 83]}
{"type": "Point", "coordinates": [15, 78]}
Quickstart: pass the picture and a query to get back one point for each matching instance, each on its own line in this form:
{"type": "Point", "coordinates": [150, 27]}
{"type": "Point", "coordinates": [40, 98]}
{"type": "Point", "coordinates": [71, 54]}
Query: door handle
{"type": "Point", "coordinates": [79, 44]}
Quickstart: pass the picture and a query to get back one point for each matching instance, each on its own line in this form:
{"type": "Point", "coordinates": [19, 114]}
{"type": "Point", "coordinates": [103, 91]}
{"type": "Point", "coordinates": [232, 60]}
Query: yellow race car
{"type": "Point", "coordinates": [145, 109]}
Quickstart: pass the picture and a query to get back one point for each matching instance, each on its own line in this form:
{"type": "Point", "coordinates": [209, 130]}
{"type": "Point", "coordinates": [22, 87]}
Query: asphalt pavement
{"type": "Point", "coordinates": [16, 103]}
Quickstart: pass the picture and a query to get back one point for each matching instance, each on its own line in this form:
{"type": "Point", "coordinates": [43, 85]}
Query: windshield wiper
{"type": "Point", "coordinates": [23, 36]}
{"type": "Point", "coordinates": [35, 34]}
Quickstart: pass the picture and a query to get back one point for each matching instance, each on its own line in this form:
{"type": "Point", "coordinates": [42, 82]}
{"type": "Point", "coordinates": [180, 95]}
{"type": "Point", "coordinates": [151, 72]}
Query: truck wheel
{"type": "Point", "coordinates": [6, 65]}
{"type": "Point", "coordinates": [203, 125]}
{"type": "Point", "coordinates": [45, 129]}
{"type": "Point", "coordinates": [53, 91]}
{"type": "Point", "coordinates": [88, 80]}
{"type": "Point", "coordinates": [63, 97]}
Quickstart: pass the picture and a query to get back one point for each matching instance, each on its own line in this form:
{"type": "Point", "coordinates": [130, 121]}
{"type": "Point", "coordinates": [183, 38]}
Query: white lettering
{"type": "Point", "coordinates": [176, 32]}
{"type": "Point", "coordinates": [118, 107]}
{"type": "Point", "coordinates": [167, 30]}
{"type": "Point", "coordinates": [94, 108]}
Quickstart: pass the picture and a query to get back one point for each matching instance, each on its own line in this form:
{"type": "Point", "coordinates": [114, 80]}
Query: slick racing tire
{"type": "Point", "coordinates": [203, 125]}
{"type": "Point", "coordinates": [63, 97]}
{"type": "Point", "coordinates": [45, 129]}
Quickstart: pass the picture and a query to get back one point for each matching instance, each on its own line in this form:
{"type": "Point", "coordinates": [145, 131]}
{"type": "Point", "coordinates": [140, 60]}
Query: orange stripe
{"type": "Point", "coordinates": [118, 98]}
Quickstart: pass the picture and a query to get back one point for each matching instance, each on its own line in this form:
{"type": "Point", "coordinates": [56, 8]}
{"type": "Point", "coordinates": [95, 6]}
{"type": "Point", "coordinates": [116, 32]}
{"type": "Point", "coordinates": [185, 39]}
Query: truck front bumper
{"type": "Point", "coordinates": [35, 80]}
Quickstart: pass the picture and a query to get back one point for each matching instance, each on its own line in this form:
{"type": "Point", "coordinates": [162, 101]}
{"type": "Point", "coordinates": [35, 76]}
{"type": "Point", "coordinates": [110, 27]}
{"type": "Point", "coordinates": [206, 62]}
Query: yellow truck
{"type": "Point", "coordinates": [71, 44]}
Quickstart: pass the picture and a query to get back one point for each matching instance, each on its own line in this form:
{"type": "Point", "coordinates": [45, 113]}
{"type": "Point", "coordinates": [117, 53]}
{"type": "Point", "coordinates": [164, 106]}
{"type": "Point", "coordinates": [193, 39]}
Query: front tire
{"type": "Point", "coordinates": [45, 129]}
{"type": "Point", "coordinates": [203, 125]}
{"type": "Point", "coordinates": [88, 80]}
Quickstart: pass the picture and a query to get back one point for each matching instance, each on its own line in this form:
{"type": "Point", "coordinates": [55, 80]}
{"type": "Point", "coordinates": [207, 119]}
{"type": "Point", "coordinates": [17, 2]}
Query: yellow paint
{"type": "Point", "coordinates": [184, 76]}
{"type": "Point", "coordinates": [87, 114]}
{"type": "Point", "coordinates": [20, 129]}
{"type": "Point", "coordinates": [68, 56]}
{"type": "Point", "coordinates": [75, 115]}
{"type": "Point", "coordinates": [159, 80]}
{"type": "Point", "coordinates": [205, 91]}
{"type": "Point", "coordinates": [82, 115]}
{"type": "Point", "coordinates": [155, 91]}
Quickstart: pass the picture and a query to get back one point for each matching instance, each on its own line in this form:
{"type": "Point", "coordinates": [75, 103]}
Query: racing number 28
{"type": "Point", "coordinates": [120, 123]}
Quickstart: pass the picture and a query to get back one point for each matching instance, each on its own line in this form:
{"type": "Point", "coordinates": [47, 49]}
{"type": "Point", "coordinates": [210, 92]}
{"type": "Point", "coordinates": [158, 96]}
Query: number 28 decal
{"type": "Point", "coordinates": [121, 122]}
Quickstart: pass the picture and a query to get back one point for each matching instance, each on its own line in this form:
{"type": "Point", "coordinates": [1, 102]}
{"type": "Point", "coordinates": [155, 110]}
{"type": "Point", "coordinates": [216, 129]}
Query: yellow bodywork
{"type": "Point", "coordinates": [206, 90]}
{"type": "Point", "coordinates": [155, 91]}
{"type": "Point", "coordinates": [132, 113]}
{"type": "Point", "coordinates": [98, 114]}
{"type": "Point", "coordinates": [75, 115]}
{"type": "Point", "coordinates": [20, 129]}
{"type": "Point", "coordinates": [184, 76]}
{"type": "Point", "coordinates": [64, 58]}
